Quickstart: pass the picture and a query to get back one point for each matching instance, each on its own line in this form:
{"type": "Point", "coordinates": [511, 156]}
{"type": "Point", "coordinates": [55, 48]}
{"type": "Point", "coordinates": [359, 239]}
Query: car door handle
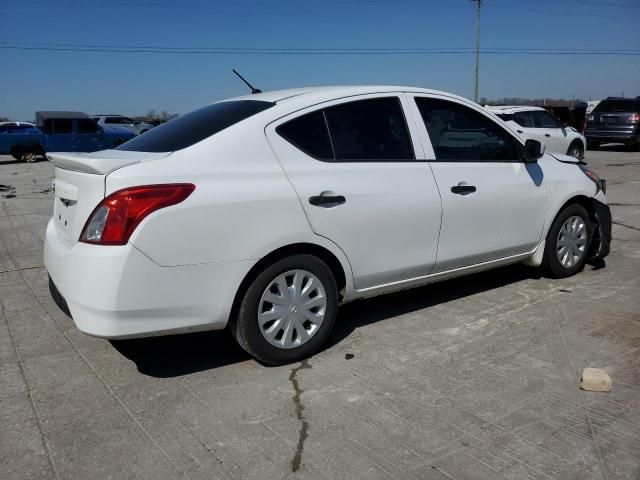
{"type": "Point", "coordinates": [547, 135]}
{"type": "Point", "coordinates": [519, 131]}
{"type": "Point", "coordinates": [327, 200]}
{"type": "Point", "coordinates": [463, 189]}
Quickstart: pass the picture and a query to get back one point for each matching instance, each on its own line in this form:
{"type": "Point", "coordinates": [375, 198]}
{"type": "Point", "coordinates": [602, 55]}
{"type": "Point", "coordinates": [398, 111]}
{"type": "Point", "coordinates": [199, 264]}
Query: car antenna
{"type": "Point", "coordinates": [253, 89]}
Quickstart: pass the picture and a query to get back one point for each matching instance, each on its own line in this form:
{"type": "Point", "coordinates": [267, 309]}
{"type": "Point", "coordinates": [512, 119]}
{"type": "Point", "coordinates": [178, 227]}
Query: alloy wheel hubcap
{"type": "Point", "coordinates": [291, 309]}
{"type": "Point", "coordinates": [572, 240]}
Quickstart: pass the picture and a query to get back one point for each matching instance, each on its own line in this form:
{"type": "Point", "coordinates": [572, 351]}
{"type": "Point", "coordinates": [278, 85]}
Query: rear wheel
{"type": "Point", "coordinates": [576, 150]}
{"type": "Point", "coordinates": [288, 310]}
{"type": "Point", "coordinates": [568, 242]}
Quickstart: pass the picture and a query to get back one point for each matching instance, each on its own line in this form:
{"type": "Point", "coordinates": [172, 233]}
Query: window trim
{"type": "Point", "coordinates": [343, 101]}
{"type": "Point", "coordinates": [519, 142]}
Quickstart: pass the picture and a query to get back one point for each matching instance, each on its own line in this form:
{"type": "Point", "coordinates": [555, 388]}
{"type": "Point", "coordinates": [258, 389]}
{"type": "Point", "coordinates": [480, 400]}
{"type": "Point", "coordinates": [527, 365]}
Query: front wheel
{"type": "Point", "coordinates": [288, 310]}
{"type": "Point", "coordinates": [576, 150]}
{"type": "Point", "coordinates": [568, 242]}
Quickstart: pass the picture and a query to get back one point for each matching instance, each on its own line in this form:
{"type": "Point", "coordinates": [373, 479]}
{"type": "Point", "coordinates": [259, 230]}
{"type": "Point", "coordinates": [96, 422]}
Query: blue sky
{"type": "Point", "coordinates": [133, 83]}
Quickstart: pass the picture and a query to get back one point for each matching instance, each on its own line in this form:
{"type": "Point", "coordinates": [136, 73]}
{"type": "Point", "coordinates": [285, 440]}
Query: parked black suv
{"type": "Point", "coordinates": [614, 120]}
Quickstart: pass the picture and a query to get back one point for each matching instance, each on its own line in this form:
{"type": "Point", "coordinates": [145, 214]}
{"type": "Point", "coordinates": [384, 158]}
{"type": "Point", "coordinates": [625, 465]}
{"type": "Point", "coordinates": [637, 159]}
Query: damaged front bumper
{"type": "Point", "coordinates": [601, 241]}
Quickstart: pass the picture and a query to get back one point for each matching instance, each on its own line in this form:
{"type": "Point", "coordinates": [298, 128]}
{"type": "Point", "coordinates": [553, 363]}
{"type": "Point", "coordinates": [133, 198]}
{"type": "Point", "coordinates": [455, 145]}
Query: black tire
{"type": "Point", "coordinates": [576, 150]}
{"type": "Point", "coordinates": [593, 145]}
{"type": "Point", "coordinates": [550, 262]}
{"type": "Point", "coordinates": [245, 327]}
{"type": "Point", "coordinates": [17, 156]}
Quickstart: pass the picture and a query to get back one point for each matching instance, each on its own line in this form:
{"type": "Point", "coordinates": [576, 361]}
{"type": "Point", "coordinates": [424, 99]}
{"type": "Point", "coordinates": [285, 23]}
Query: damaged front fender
{"type": "Point", "coordinates": [601, 241]}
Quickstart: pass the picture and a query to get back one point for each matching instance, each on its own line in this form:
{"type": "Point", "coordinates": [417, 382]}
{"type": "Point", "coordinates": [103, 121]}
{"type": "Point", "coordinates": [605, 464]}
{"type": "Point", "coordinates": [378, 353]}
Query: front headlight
{"type": "Point", "coordinates": [600, 184]}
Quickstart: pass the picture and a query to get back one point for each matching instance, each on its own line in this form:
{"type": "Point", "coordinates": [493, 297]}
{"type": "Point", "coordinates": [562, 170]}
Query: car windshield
{"type": "Point", "coordinates": [193, 127]}
{"type": "Point", "coordinates": [620, 105]}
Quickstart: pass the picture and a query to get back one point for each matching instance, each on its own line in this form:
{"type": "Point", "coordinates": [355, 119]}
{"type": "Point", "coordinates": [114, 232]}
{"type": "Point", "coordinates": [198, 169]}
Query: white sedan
{"type": "Point", "coordinates": [538, 124]}
{"type": "Point", "coordinates": [262, 214]}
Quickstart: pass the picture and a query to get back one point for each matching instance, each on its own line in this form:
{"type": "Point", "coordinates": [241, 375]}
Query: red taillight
{"type": "Point", "coordinates": [117, 216]}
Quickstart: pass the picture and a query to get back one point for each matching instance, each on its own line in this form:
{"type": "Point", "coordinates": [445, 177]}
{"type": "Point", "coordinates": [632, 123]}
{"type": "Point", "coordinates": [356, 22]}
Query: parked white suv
{"type": "Point", "coordinates": [538, 124]}
{"type": "Point", "coordinates": [124, 122]}
{"type": "Point", "coordinates": [265, 212]}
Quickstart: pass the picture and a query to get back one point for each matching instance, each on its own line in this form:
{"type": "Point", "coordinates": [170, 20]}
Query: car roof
{"type": "Point", "coordinates": [18, 123]}
{"type": "Point", "coordinates": [60, 114]}
{"type": "Point", "coordinates": [310, 95]}
{"type": "Point", "coordinates": [512, 108]}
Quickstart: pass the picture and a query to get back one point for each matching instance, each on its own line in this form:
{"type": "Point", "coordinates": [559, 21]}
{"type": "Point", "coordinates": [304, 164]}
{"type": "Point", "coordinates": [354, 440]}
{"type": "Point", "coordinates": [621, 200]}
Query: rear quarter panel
{"type": "Point", "coordinates": [243, 206]}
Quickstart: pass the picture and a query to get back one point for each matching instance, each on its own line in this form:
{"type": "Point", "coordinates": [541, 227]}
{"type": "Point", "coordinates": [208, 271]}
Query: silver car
{"type": "Point", "coordinates": [122, 121]}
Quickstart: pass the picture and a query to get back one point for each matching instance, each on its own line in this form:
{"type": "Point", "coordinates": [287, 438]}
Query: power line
{"type": "Point", "coordinates": [302, 51]}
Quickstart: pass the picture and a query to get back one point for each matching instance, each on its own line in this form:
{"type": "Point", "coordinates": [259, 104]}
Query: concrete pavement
{"type": "Point", "coordinates": [475, 378]}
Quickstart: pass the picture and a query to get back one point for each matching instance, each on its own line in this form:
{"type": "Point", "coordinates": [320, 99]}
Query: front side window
{"type": "Point", "coordinates": [459, 133]}
{"type": "Point", "coordinates": [371, 130]}
{"type": "Point", "coordinates": [86, 125]}
{"type": "Point", "coordinates": [543, 120]}
{"type": "Point", "coordinates": [193, 127]}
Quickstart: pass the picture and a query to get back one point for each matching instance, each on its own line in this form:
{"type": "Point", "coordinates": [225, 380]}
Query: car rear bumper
{"type": "Point", "coordinates": [604, 136]}
{"type": "Point", "coordinates": [118, 292]}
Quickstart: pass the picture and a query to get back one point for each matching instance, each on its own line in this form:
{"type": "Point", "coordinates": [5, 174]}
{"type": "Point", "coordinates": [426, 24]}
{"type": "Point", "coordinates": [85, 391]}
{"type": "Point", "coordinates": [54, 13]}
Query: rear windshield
{"type": "Point", "coordinates": [189, 129]}
{"type": "Point", "coordinates": [620, 105]}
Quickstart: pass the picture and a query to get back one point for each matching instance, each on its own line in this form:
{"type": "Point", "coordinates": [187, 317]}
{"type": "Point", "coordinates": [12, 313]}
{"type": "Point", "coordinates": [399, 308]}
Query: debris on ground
{"type": "Point", "coordinates": [595, 380]}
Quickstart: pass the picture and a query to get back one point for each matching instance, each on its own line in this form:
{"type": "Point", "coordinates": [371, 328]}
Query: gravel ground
{"type": "Point", "coordinates": [474, 378]}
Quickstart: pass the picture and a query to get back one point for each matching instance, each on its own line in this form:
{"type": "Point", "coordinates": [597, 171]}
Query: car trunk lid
{"type": "Point", "coordinates": [79, 185]}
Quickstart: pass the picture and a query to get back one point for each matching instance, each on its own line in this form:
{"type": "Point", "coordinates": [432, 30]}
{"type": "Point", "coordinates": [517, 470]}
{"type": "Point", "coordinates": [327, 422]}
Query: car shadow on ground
{"type": "Point", "coordinates": [177, 355]}
{"type": "Point", "coordinates": [613, 147]}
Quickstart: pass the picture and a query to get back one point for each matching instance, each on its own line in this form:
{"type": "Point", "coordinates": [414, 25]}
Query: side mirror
{"type": "Point", "coordinates": [533, 150]}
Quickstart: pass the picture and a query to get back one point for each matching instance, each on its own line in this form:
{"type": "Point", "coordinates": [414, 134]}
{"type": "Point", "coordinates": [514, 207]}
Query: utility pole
{"type": "Point", "coordinates": [475, 87]}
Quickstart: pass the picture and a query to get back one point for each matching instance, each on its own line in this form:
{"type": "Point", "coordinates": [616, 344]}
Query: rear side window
{"type": "Point", "coordinates": [523, 119]}
{"type": "Point", "coordinates": [620, 105]}
{"type": "Point", "coordinates": [193, 127]}
{"type": "Point", "coordinates": [543, 120]}
{"type": "Point", "coordinates": [459, 133]}
{"type": "Point", "coordinates": [310, 134]}
{"type": "Point", "coordinates": [362, 131]}
{"type": "Point", "coordinates": [369, 130]}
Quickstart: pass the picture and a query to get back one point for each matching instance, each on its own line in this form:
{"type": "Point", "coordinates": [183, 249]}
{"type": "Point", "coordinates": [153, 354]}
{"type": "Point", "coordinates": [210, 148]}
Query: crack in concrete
{"type": "Point", "coordinates": [626, 226]}
{"type": "Point", "coordinates": [31, 267]}
{"type": "Point", "coordinates": [304, 425]}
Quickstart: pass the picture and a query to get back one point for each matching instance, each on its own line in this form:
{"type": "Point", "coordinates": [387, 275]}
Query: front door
{"type": "Point", "coordinates": [364, 184]}
{"type": "Point", "coordinates": [493, 203]}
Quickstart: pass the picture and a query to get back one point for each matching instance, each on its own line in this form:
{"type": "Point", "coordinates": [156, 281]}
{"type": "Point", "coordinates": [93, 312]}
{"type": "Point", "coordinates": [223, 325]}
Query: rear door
{"type": "Point", "coordinates": [364, 184]}
{"type": "Point", "coordinates": [493, 203]}
{"type": "Point", "coordinates": [550, 132]}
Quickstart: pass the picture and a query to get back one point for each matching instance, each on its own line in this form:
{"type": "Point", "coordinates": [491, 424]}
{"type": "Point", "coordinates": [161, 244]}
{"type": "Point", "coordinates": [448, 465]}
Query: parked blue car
{"type": "Point", "coordinates": [18, 138]}
{"type": "Point", "coordinates": [63, 132]}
